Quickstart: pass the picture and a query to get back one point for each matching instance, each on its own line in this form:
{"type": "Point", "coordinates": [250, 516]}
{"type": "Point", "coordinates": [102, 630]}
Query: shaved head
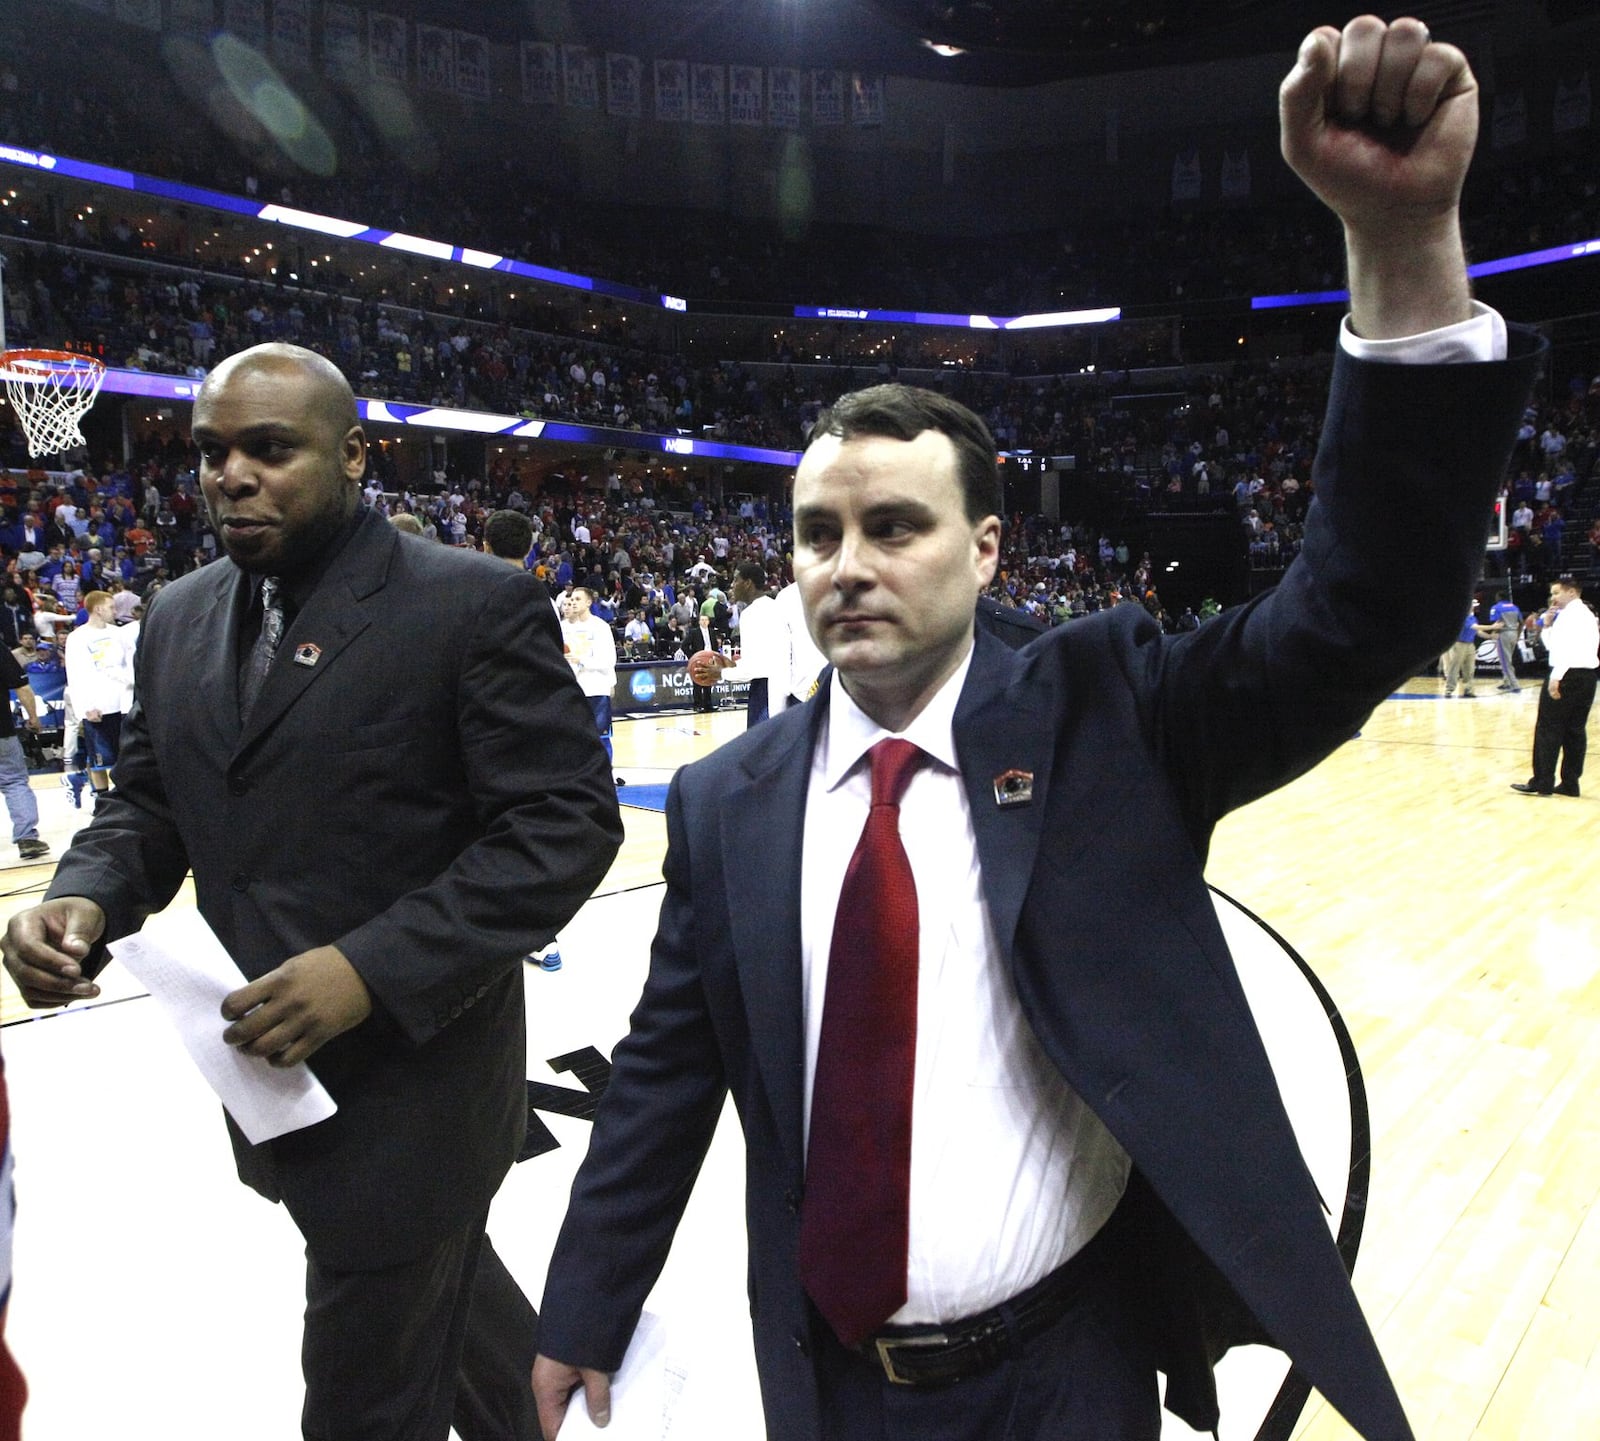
{"type": "Point", "coordinates": [282, 453]}
{"type": "Point", "coordinates": [327, 392]}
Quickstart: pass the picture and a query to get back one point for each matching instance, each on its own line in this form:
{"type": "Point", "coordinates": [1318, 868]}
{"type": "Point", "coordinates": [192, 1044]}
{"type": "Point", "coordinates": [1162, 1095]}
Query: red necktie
{"type": "Point", "coordinates": [855, 1221]}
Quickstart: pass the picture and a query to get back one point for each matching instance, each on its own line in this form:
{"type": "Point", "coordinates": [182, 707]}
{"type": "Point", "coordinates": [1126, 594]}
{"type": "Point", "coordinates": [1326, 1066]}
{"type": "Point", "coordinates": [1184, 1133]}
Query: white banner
{"type": "Point", "coordinates": [144, 13]}
{"type": "Point", "coordinates": [1187, 179]}
{"type": "Point", "coordinates": [436, 58]}
{"type": "Point", "coordinates": [386, 47]}
{"type": "Point", "coordinates": [1573, 108]}
{"type": "Point", "coordinates": [1510, 125]}
{"type": "Point", "coordinates": [624, 83]}
{"type": "Point", "coordinates": [827, 97]}
{"type": "Point", "coordinates": [191, 17]}
{"type": "Point", "coordinates": [866, 99]}
{"type": "Point", "coordinates": [672, 91]}
{"type": "Point", "coordinates": [247, 19]}
{"type": "Point", "coordinates": [472, 66]}
{"type": "Point", "coordinates": [707, 96]}
{"type": "Point", "coordinates": [291, 32]}
{"type": "Point", "coordinates": [538, 73]}
{"type": "Point", "coordinates": [344, 53]}
{"type": "Point", "coordinates": [783, 98]}
{"type": "Point", "coordinates": [580, 77]}
{"type": "Point", "coordinates": [745, 98]}
{"type": "Point", "coordinates": [1236, 175]}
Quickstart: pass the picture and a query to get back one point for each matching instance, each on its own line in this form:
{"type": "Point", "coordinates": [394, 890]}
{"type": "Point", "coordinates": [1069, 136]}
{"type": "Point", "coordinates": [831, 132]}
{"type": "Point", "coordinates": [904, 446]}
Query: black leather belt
{"type": "Point", "coordinates": [955, 1350]}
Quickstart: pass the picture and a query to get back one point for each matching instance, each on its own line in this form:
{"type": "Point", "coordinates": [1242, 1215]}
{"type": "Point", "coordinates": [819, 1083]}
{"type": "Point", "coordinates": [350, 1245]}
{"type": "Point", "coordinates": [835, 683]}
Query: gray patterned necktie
{"type": "Point", "coordinates": [266, 646]}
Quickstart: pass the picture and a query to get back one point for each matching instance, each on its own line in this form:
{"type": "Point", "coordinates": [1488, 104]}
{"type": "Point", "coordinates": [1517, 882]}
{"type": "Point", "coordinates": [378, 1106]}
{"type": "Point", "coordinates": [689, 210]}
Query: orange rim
{"type": "Point", "coordinates": [45, 361]}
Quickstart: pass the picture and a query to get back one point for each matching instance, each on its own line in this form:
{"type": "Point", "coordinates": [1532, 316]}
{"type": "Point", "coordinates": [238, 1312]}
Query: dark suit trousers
{"type": "Point", "coordinates": [404, 1353]}
{"type": "Point", "coordinates": [1089, 1376]}
{"type": "Point", "coordinates": [1561, 729]}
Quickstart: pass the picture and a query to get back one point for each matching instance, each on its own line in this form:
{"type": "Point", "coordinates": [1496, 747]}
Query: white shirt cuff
{"type": "Point", "coordinates": [1483, 337]}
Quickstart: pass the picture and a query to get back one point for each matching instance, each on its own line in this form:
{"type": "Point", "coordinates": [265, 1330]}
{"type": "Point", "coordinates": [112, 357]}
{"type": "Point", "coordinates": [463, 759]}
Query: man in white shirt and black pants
{"type": "Point", "coordinates": [1572, 638]}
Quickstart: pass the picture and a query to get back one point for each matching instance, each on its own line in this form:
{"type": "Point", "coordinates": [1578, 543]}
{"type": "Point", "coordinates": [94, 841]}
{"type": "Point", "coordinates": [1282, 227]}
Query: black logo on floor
{"type": "Point", "coordinates": [591, 1070]}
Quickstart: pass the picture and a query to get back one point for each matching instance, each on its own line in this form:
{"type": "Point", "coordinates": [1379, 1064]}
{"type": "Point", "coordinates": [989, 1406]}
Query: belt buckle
{"type": "Point", "coordinates": [885, 1346]}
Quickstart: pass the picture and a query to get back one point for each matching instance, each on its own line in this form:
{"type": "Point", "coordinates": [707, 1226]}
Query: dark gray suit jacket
{"type": "Point", "coordinates": [418, 783]}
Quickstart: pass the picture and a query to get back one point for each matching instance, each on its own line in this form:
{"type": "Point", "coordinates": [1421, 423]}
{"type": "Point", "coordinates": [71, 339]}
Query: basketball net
{"type": "Point", "coordinates": [50, 390]}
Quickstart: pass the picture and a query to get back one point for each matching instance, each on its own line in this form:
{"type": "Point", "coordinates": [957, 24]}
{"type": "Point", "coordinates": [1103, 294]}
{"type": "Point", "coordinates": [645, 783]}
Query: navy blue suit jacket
{"type": "Point", "coordinates": [1138, 743]}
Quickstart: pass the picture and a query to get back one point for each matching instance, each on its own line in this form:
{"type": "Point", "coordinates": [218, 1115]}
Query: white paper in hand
{"type": "Point", "coordinates": [644, 1393]}
{"type": "Point", "coordinates": [179, 959]}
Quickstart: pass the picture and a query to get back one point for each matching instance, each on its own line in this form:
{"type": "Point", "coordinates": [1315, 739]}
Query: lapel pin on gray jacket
{"type": "Point", "coordinates": [1013, 788]}
{"type": "Point", "coordinates": [307, 654]}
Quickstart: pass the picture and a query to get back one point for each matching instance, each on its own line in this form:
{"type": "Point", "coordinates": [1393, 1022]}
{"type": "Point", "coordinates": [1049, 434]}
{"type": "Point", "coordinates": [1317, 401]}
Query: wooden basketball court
{"type": "Point", "coordinates": [1452, 920]}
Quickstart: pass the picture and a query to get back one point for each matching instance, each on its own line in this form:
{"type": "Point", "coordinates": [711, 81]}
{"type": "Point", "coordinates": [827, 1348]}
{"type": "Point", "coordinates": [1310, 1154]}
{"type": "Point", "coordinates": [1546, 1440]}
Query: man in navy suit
{"type": "Point", "coordinates": [1100, 1180]}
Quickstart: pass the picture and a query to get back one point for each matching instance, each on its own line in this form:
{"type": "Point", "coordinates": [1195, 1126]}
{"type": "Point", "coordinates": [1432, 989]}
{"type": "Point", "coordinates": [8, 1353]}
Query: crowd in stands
{"type": "Point", "coordinates": [1237, 437]}
{"type": "Point", "coordinates": [1246, 432]}
{"type": "Point", "coordinates": [656, 551]}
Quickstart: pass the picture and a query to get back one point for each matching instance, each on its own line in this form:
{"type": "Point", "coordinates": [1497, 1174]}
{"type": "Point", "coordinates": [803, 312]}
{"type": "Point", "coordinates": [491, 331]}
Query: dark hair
{"type": "Point", "coordinates": [1570, 582]}
{"type": "Point", "coordinates": [903, 412]}
{"type": "Point", "coordinates": [752, 571]}
{"type": "Point", "coordinates": [508, 535]}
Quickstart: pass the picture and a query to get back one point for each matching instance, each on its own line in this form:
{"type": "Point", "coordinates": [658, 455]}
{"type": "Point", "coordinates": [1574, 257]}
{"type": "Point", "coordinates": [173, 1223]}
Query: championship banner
{"type": "Point", "coordinates": [343, 54]}
{"type": "Point", "coordinates": [783, 98]}
{"type": "Point", "coordinates": [538, 73]}
{"type": "Point", "coordinates": [624, 83]}
{"type": "Point", "coordinates": [1236, 175]}
{"type": "Point", "coordinates": [1510, 125]}
{"type": "Point", "coordinates": [191, 17]}
{"type": "Point", "coordinates": [1572, 107]}
{"type": "Point", "coordinates": [386, 47]}
{"type": "Point", "coordinates": [247, 19]}
{"type": "Point", "coordinates": [146, 14]}
{"type": "Point", "coordinates": [580, 78]}
{"type": "Point", "coordinates": [866, 100]}
{"type": "Point", "coordinates": [827, 97]}
{"type": "Point", "coordinates": [436, 58]}
{"type": "Point", "coordinates": [746, 84]}
{"type": "Point", "coordinates": [472, 66]}
{"type": "Point", "coordinates": [1187, 178]}
{"type": "Point", "coordinates": [291, 33]}
{"type": "Point", "coordinates": [707, 96]}
{"type": "Point", "coordinates": [672, 91]}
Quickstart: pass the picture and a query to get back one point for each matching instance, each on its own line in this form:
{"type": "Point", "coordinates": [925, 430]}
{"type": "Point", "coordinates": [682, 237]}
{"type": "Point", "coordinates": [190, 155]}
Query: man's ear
{"type": "Point", "coordinates": [353, 453]}
{"type": "Point", "coordinates": [986, 548]}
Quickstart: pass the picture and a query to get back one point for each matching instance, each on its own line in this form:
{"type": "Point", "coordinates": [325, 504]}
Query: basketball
{"type": "Point", "coordinates": [704, 667]}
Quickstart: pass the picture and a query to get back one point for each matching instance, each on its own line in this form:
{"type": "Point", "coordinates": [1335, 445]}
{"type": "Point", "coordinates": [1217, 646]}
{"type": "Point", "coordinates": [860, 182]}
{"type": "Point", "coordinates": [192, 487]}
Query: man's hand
{"type": "Point", "coordinates": [45, 946]}
{"type": "Point", "coordinates": [553, 1385]}
{"type": "Point", "coordinates": [1381, 122]}
{"type": "Point", "coordinates": [92, 715]}
{"type": "Point", "coordinates": [292, 1012]}
{"type": "Point", "coordinates": [1555, 689]}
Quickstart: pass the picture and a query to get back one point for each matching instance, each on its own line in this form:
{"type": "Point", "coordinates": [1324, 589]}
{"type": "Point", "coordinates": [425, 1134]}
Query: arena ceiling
{"type": "Point", "coordinates": [1000, 41]}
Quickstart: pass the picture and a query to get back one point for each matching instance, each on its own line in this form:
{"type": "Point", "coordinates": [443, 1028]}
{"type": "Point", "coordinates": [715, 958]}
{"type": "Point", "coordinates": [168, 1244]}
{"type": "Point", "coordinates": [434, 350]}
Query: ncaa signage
{"type": "Point", "coordinates": [642, 687]}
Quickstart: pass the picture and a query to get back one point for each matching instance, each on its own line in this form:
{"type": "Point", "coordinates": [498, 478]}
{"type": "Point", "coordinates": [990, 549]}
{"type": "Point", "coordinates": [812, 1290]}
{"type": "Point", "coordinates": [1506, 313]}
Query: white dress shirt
{"type": "Point", "coordinates": [1011, 1173]}
{"type": "Point", "coordinates": [1572, 640]}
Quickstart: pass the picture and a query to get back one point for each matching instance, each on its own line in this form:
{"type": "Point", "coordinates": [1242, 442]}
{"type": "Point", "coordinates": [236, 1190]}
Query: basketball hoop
{"type": "Point", "coordinates": [50, 390]}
